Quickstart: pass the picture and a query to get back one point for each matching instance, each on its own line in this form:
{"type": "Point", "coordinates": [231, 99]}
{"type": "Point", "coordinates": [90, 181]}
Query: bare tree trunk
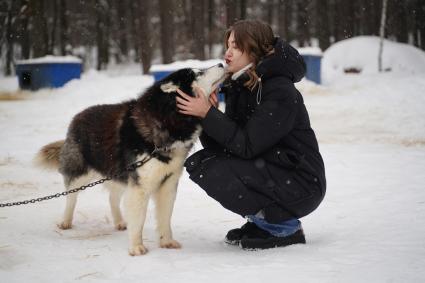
{"type": "Point", "coordinates": [322, 24]}
{"type": "Point", "coordinates": [373, 16]}
{"type": "Point", "coordinates": [24, 35]}
{"type": "Point", "coordinates": [4, 7]}
{"type": "Point", "coordinates": [102, 34]}
{"type": "Point", "coordinates": [198, 34]}
{"type": "Point", "coordinates": [419, 29]}
{"type": "Point", "coordinates": [134, 29]}
{"type": "Point", "coordinates": [270, 12]}
{"type": "Point", "coordinates": [303, 22]}
{"type": "Point", "coordinates": [337, 21]}
{"type": "Point", "coordinates": [122, 30]}
{"type": "Point", "coordinates": [396, 20]}
{"type": "Point", "coordinates": [243, 9]}
{"type": "Point", "coordinates": [39, 33]}
{"type": "Point", "coordinates": [52, 41]}
{"type": "Point", "coordinates": [188, 26]}
{"type": "Point", "coordinates": [167, 29]}
{"type": "Point", "coordinates": [349, 21]}
{"type": "Point", "coordinates": [285, 19]}
{"type": "Point", "coordinates": [211, 27]}
{"type": "Point", "coordinates": [231, 12]}
{"type": "Point", "coordinates": [9, 41]}
{"type": "Point", "coordinates": [382, 33]}
{"type": "Point", "coordinates": [63, 27]}
{"type": "Point", "coordinates": [145, 41]}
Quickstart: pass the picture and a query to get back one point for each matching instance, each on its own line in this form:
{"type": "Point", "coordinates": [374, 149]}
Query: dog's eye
{"type": "Point", "coordinates": [198, 72]}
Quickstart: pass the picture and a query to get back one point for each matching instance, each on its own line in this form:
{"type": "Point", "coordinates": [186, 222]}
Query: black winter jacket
{"type": "Point", "coordinates": [262, 156]}
{"type": "Point", "coordinates": [278, 128]}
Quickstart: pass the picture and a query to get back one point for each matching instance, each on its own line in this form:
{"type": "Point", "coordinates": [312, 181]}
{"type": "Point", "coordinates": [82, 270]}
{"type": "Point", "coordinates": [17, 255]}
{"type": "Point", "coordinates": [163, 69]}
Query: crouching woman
{"type": "Point", "coordinates": [261, 158]}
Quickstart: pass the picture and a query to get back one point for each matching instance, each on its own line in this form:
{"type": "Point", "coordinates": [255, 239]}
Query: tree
{"type": "Point", "coordinates": [382, 33]}
{"type": "Point", "coordinates": [52, 20]}
{"type": "Point", "coordinates": [285, 10]}
{"type": "Point", "coordinates": [187, 28]}
{"type": "Point", "coordinates": [270, 8]}
{"type": "Point", "coordinates": [120, 27]}
{"type": "Point", "coordinates": [145, 40]}
{"type": "Point", "coordinates": [134, 29]}
{"type": "Point", "coordinates": [211, 26]}
{"type": "Point", "coordinates": [63, 27]}
{"type": "Point", "coordinates": [243, 5]}
{"type": "Point", "coordinates": [419, 27]}
{"type": "Point", "coordinates": [397, 20]}
{"type": "Point", "coordinates": [39, 35]}
{"type": "Point", "coordinates": [9, 40]}
{"type": "Point", "coordinates": [231, 11]}
{"type": "Point", "coordinates": [102, 33]}
{"type": "Point", "coordinates": [373, 9]}
{"type": "Point", "coordinates": [303, 22]}
{"type": "Point", "coordinates": [198, 33]}
{"type": "Point", "coordinates": [167, 30]}
{"type": "Point", "coordinates": [322, 24]}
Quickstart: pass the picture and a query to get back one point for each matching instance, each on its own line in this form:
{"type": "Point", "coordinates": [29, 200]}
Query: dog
{"type": "Point", "coordinates": [103, 140]}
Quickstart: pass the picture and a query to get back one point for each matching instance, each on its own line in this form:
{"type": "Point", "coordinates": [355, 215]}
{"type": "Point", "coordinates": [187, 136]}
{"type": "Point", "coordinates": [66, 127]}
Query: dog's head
{"type": "Point", "coordinates": [187, 79]}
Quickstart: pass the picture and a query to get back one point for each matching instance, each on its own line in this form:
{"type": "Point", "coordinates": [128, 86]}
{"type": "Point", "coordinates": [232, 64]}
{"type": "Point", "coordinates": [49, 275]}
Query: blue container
{"type": "Point", "coordinates": [33, 76]}
{"type": "Point", "coordinates": [159, 75]}
{"type": "Point", "coordinates": [313, 63]}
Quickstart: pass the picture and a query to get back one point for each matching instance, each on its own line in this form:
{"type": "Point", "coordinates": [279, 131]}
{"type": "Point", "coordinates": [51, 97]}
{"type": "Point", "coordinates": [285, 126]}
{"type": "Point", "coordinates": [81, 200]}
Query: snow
{"type": "Point", "coordinates": [369, 228]}
{"type": "Point", "coordinates": [185, 64]}
{"type": "Point", "coordinates": [49, 59]}
{"type": "Point", "coordinates": [362, 53]}
{"type": "Point", "coordinates": [312, 51]}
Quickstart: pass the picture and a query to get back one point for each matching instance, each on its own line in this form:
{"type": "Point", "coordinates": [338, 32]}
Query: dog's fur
{"type": "Point", "coordinates": [104, 139]}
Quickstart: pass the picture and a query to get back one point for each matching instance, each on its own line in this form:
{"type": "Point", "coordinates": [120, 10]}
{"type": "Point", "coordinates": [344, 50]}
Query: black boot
{"type": "Point", "coordinates": [260, 239]}
{"type": "Point", "coordinates": [234, 236]}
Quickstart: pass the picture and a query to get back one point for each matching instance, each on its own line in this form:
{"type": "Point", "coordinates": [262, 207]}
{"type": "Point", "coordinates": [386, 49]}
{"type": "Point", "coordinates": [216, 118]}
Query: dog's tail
{"type": "Point", "coordinates": [48, 156]}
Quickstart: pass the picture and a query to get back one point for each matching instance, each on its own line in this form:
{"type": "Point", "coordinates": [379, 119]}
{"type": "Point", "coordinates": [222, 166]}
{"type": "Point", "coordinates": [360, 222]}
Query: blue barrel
{"type": "Point", "coordinates": [313, 63]}
{"type": "Point", "coordinates": [36, 74]}
{"type": "Point", "coordinates": [159, 75]}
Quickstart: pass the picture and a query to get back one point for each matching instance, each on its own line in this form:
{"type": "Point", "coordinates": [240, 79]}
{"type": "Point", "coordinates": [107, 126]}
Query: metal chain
{"type": "Point", "coordinates": [131, 167]}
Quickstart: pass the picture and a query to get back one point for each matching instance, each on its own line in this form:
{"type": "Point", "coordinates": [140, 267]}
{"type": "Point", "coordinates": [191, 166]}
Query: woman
{"type": "Point", "coordinates": [261, 158]}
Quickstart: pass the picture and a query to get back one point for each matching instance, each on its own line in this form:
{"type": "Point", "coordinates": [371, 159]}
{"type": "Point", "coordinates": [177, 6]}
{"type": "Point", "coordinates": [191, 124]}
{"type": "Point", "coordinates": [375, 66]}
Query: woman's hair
{"type": "Point", "coordinates": [254, 37]}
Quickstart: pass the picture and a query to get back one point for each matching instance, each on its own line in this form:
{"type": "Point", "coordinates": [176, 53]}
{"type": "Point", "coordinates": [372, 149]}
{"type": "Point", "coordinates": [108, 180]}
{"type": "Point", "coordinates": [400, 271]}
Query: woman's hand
{"type": "Point", "coordinates": [214, 98]}
{"type": "Point", "coordinates": [197, 106]}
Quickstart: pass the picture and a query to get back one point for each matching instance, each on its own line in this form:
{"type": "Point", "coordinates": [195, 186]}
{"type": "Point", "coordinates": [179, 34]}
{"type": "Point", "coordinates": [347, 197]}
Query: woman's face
{"type": "Point", "coordinates": [235, 58]}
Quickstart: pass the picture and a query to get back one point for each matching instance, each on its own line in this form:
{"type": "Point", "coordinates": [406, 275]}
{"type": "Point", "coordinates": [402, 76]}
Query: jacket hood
{"type": "Point", "coordinates": [285, 61]}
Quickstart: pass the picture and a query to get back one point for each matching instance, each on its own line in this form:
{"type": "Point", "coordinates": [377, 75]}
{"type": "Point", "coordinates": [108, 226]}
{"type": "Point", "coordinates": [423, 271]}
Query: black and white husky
{"type": "Point", "coordinates": [104, 139]}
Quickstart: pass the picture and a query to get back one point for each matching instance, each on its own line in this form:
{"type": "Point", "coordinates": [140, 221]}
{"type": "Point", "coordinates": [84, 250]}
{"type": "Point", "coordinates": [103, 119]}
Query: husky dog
{"type": "Point", "coordinates": [104, 139]}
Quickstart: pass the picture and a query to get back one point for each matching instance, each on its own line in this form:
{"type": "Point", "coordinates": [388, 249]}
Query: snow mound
{"type": "Point", "coordinates": [51, 59]}
{"type": "Point", "coordinates": [361, 53]}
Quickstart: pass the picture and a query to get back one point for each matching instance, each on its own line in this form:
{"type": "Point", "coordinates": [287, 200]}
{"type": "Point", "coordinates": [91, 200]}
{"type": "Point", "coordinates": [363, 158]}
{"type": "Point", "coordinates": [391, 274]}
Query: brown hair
{"type": "Point", "coordinates": [254, 37]}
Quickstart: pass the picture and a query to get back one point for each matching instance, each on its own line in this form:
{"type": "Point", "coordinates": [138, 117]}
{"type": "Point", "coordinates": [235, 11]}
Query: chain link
{"type": "Point", "coordinates": [131, 167]}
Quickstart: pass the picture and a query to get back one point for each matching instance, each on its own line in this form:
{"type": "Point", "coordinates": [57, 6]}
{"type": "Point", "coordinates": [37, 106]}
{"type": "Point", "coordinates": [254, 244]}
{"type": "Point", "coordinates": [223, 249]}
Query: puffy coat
{"type": "Point", "coordinates": [262, 150]}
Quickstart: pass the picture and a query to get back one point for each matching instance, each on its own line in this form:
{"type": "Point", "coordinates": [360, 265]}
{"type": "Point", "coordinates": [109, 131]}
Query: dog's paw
{"type": "Point", "coordinates": [170, 244]}
{"type": "Point", "coordinates": [121, 226]}
{"type": "Point", "coordinates": [138, 250]}
{"type": "Point", "coordinates": [65, 225]}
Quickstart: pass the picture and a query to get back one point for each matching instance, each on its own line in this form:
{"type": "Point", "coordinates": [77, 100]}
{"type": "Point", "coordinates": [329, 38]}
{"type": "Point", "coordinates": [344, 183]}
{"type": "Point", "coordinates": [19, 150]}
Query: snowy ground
{"type": "Point", "coordinates": [370, 227]}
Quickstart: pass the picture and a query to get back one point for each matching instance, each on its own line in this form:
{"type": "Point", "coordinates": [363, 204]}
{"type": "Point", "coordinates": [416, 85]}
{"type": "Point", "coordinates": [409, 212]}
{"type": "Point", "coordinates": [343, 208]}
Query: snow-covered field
{"type": "Point", "coordinates": [370, 227]}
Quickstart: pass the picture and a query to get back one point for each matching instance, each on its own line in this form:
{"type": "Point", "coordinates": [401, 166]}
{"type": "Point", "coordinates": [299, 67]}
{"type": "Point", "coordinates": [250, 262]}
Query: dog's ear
{"type": "Point", "coordinates": [169, 87]}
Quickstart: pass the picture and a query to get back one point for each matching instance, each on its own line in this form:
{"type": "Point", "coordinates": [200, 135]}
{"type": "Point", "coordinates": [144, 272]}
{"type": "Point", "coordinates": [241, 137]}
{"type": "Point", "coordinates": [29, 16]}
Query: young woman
{"type": "Point", "coordinates": [260, 159]}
